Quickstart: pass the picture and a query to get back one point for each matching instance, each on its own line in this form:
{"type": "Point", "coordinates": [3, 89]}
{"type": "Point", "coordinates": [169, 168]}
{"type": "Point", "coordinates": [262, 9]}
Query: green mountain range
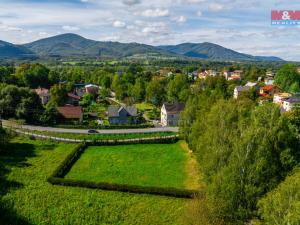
{"type": "Point", "coordinates": [73, 45]}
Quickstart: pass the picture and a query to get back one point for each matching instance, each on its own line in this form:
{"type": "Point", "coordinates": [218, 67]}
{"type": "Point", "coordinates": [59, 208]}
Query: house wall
{"type": "Point", "coordinates": [168, 119]}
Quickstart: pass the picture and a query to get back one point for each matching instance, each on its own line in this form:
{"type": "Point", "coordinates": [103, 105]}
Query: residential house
{"type": "Point", "coordinates": [269, 80]}
{"type": "Point", "coordinates": [280, 97]}
{"type": "Point", "coordinates": [233, 75]}
{"type": "Point", "coordinates": [207, 73]}
{"type": "Point", "coordinates": [92, 89]}
{"type": "Point", "coordinates": [70, 113]}
{"type": "Point", "coordinates": [252, 84]}
{"type": "Point", "coordinates": [122, 115]}
{"type": "Point", "coordinates": [237, 73]}
{"type": "Point", "coordinates": [72, 99]}
{"type": "Point", "coordinates": [170, 113]}
{"type": "Point", "coordinates": [79, 89]}
{"type": "Point", "coordinates": [44, 95]}
{"type": "Point", "coordinates": [270, 73]}
{"type": "Point", "coordinates": [239, 90]}
{"type": "Point", "coordinates": [290, 103]}
{"type": "Point", "coordinates": [269, 90]}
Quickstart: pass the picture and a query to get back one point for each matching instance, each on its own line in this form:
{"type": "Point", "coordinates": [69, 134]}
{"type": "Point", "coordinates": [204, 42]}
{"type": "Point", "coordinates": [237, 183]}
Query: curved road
{"type": "Point", "coordinates": [85, 131]}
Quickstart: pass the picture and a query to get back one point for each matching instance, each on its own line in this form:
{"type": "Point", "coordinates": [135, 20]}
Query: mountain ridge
{"type": "Point", "coordinates": [73, 45]}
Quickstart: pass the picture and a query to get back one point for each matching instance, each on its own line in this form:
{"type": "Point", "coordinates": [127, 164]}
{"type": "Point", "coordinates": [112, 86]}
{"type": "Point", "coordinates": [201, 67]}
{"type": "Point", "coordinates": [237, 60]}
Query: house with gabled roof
{"type": "Point", "coordinates": [70, 113]}
{"type": "Point", "coordinates": [170, 113]}
{"type": "Point", "coordinates": [269, 90]}
{"type": "Point", "coordinates": [122, 115]}
{"type": "Point", "coordinates": [73, 99]}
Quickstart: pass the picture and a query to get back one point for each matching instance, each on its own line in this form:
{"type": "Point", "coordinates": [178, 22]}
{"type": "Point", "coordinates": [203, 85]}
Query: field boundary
{"type": "Point", "coordinates": [57, 177]}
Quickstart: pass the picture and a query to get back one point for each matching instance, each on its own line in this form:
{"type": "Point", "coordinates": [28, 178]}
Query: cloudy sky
{"type": "Point", "coordinates": [242, 25]}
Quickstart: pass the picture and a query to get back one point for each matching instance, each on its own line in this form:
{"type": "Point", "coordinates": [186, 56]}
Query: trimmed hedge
{"type": "Point", "coordinates": [68, 162]}
{"type": "Point", "coordinates": [159, 140]}
{"type": "Point", "coordinates": [167, 191]}
{"type": "Point", "coordinates": [57, 177]}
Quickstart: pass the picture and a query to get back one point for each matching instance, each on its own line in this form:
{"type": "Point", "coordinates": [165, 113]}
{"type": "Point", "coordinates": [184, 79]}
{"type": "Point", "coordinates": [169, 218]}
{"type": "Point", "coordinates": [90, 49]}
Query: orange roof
{"type": "Point", "coordinates": [269, 87]}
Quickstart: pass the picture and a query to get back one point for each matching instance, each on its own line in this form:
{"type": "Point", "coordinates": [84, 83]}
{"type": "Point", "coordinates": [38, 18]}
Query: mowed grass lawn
{"type": "Point", "coordinates": [156, 165]}
{"type": "Point", "coordinates": [27, 198]}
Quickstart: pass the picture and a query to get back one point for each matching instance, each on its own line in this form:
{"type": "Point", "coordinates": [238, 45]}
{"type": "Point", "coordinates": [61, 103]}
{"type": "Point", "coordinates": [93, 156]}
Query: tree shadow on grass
{"type": "Point", "coordinates": [15, 155]}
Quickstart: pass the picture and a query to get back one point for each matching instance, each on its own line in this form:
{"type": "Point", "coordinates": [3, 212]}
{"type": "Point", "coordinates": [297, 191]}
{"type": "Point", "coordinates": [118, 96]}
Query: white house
{"type": "Point", "coordinates": [239, 89]}
{"type": "Point", "coordinates": [280, 97]}
{"type": "Point", "coordinates": [170, 113]}
{"type": "Point", "coordinates": [290, 103]}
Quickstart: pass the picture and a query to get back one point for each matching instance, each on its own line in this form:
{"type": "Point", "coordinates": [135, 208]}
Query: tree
{"type": "Point", "coordinates": [53, 77]}
{"type": "Point", "coordinates": [49, 116]}
{"type": "Point", "coordinates": [58, 95]}
{"type": "Point", "coordinates": [178, 89]}
{"type": "Point", "coordinates": [282, 205]}
{"type": "Point", "coordinates": [288, 78]}
{"type": "Point", "coordinates": [155, 92]}
{"type": "Point", "coordinates": [33, 75]}
{"type": "Point", "coordinates": [20, 103]}
{"type": "Point", "coordinates": [138, 90]}
{"type": "Point", "coordinates": [87, 100]}
{"type": "Point", "coordinates": [244, 151]}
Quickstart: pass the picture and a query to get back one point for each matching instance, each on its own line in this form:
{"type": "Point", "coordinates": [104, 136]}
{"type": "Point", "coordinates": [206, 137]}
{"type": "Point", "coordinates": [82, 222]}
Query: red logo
{"type": "Point", "coordinates": [285, 15]}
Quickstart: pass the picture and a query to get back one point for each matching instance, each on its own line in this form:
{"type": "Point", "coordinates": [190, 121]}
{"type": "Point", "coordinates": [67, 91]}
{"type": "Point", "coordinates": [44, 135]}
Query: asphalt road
{"type": "Point", "coordinates": [85, 131]}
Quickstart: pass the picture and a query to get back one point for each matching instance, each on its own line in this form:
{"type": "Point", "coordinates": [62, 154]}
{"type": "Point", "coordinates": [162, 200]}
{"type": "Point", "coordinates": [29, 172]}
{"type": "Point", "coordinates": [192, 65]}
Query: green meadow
{"type": "Point", "coordinates": [27, 198]}
{"type": "Point", "coordinates": [154, 165]}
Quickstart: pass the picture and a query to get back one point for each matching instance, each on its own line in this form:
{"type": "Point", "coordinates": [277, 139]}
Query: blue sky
{"type": "Point", "coordinates": [241, 25]}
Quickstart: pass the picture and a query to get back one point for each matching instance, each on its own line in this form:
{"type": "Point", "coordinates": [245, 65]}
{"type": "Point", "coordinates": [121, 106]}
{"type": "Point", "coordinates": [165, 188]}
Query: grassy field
{"type": "Point", "coordinates": [103, 136]}
{"type": "Point", "coordinates": [157, 165]}
{"type": "Point", "coordinates": [27, 198]}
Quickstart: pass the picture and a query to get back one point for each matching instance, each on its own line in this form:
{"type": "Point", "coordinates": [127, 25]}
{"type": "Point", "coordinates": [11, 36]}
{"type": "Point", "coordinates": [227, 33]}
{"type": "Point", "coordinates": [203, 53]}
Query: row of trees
{"type": "Point", "coordinates": [244, 150]}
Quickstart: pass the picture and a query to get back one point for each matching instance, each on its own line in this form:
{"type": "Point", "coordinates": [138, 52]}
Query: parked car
{"type": "Point", "coordinates": [93, 132]}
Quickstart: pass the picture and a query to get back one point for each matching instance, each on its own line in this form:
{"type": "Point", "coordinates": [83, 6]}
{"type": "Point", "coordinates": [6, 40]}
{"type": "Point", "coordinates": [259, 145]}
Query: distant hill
{"type": "Point", "coordinates": [212, 51]}
{"type": "Point", "coordinates": [8, 50]}
{"type": "Point", "coordinates": [73, 45]}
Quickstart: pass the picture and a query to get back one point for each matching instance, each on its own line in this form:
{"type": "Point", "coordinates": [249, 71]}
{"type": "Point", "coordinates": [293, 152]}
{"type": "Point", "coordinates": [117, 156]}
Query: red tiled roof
{"type": "Point", "coordinates": [269, 87]}
{"type": "Point", "coordinates": [70, 112]}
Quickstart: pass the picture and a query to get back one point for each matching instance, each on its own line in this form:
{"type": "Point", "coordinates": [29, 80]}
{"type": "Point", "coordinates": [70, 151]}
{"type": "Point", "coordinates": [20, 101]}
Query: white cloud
{"type": "Point", "coordinates": [199, 13]}
{"type": "Point", "coordinates": [181, 19]}
{"type": "Point", "coordinates": [216, 7]}
{"type": "Point", "coordinates": [84, 0]}
{"type": "Point", "coordinates": [131, 2]}
{"type": "Point", "coordinates": [4, 27]}
{"type": "Point", "coordinates": [193, 1]}
{"type": "Point", "coordinates": [155, 13]}
{"type": "Point", "coordinates": [119, 24]}
{"type": "Point", "coordinates": [70, 28]}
